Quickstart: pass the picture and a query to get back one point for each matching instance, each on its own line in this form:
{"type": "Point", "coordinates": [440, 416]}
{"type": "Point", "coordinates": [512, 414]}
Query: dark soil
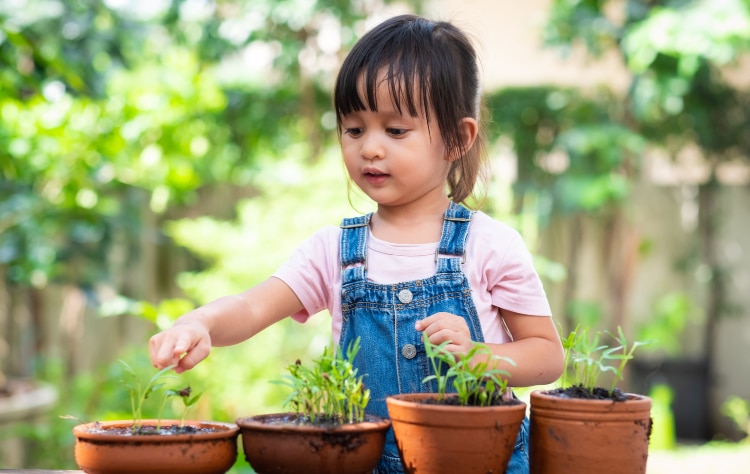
{"type": "Point", "coordinates": [321, 421]}
{"type": "Point", "coordinates": [599, 393]}
{"type": "Point", "coordinates": [454, 401]}
{"type": "Point", "coordinates": [165, 430]}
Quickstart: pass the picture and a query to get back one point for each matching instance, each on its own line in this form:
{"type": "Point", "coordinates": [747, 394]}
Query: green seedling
{"type": "Point", "coordinates": [328, 391]}
{"type": "Point", "coordinates": [140, 392]}
{"type": "Point", "coordinates": [587, 359]}
{"type": "Point", "coordinates": [625, 355]}
{"type": "Point", "coordinates": [188, 400]}
{"type": "Point", "coordinates": [473, 375]}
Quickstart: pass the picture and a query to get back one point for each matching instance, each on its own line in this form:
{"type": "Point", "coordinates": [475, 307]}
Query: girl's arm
{"type": "Point", "coordinates": [536, 348]}
{"type": "Point", "coordinates": [225, 321]}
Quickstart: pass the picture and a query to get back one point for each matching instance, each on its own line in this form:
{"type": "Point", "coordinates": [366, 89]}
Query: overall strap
{"type": "Point", "coordinates": [451, 251]}
{"type": "Point", "coordinates": [353, 247]}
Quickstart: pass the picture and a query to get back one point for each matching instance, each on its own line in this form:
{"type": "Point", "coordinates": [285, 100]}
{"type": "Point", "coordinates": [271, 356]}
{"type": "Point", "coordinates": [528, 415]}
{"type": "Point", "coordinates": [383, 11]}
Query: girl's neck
{"type": "Point", "coordinates": [404, 225]}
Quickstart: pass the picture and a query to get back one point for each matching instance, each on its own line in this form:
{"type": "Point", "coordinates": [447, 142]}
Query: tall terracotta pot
{"type": "Point", "coordinates": [101, 448]}
{"type": "Point", "coordinates": [273, 443]}
{"type": "Point", "coordinates": [572, 435]}
{"type": "Point", "coordinates": [436, 438]}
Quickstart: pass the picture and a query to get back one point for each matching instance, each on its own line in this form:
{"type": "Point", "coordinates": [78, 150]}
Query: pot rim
{"type": "Point", "coordinates": [97, 431]}
{"type": "Point", "coordinates": [256, 422]}
{"type": "Point", "coordinates": [546, 393]}
{"type": "Point", "coordinates": [406, 399]}
{"type": "Point", "coordinates": [542, 400]}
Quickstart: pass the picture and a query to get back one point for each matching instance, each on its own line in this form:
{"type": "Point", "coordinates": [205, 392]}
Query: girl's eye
{"type": "Point", "coordinates": [354, 132]}
{"type": "Point", "coordinates": [396, 132]}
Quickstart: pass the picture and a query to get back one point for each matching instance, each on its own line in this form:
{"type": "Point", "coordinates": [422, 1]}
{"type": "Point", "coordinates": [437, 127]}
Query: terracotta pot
{"type": "Point", "coordinates": [101, 450]}
{"type": "Point", "coordinates": [272, 444]}
{"type": "Point", "coordinates": [435, 438]}
{"type": "Point", "coordinates": [573, 435]}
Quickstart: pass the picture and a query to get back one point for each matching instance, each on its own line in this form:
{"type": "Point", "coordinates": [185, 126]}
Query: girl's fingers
{"type": "Point", "coordinates": [161, 355]}
{"type": "Point", "coordinates": [182, 346]}
{"type": "Point", "coordinates": [191, 358]}
{"type": "Point", "coordinates": [441, 327]}
{"type": "Point", "coordinates": [166, 351]}
{"type": "Point", "coordinates": [442, 322]}
{"type": "Point", "coordinates": [439, 321]}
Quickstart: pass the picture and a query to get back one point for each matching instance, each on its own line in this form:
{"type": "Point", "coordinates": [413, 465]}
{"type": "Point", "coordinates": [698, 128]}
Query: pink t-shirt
{"type": "Point", "coordinates": [498, 266]}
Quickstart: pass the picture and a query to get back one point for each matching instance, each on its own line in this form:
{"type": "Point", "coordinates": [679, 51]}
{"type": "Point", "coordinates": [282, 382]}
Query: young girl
{"type": "Point", "coordinates": [407, 102]}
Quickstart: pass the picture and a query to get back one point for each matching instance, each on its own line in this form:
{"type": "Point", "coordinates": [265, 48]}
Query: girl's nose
{"type": "Point", "coordinates": [372, 147]}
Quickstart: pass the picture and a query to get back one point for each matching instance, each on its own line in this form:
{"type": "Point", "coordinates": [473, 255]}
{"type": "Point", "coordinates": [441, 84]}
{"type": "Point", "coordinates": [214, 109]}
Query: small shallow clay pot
{"type": "Point", "coordinates": [274, 445]}
{"type": "Point", "coordinates": [574, 435]}
{"type": "Point", "coordinates": [435, 438]}
{"type": "Point", "coordinates": [100, 450]}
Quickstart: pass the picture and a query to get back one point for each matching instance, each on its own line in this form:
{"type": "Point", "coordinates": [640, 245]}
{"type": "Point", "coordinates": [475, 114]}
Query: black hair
{"type": "Point", "coordinates": [430, 67]}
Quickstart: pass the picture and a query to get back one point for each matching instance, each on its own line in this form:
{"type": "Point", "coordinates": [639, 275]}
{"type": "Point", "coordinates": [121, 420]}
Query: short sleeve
{"type": "Point", "coordinates": [507, 268]}
{"type": "Point", "coordinates": [312, 272]}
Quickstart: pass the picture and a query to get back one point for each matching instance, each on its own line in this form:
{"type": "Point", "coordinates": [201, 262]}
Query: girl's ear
{"type": "Point", "coordinates": [468, 130]}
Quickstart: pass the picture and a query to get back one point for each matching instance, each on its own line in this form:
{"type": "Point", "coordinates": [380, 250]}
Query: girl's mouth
{"type": "Point", "coordinates": [375, 177]}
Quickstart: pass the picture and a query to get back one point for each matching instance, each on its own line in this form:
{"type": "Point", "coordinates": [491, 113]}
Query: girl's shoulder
{"type": "Point", "coordinates": [497, 252]}
{"type": "Point", "coordinates": [484, 227]}
{"type": "Point", "coordinates": [327, 236]}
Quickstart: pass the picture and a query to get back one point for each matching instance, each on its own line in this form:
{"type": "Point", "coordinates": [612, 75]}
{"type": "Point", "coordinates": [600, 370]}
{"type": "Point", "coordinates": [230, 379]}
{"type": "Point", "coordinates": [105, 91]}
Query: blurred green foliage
{"type": "Point", "coordinates": [677, 52]}
{"type": "Point", "coordinates": [581, 151]}
{"type": "Point", "coordinates": [673, 312]}
{"type": "Point", "coordinates": [107, 106]}
{"type": "Point", "coordinates": [571, 147]}
{"type": "Point", "coordinates": [738, 409]}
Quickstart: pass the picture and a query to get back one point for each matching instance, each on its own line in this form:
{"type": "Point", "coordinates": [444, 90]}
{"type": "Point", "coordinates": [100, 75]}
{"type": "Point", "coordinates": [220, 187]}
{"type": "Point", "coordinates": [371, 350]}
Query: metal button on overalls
{"type": "Point", "coordinates": [409, 351]}
{"type": "Point", "coordinates": [405, 296]}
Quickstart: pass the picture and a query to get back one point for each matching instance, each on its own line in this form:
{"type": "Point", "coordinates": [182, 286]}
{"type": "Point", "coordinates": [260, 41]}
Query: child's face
{"type": "Point", "coordinates": [395, 159]}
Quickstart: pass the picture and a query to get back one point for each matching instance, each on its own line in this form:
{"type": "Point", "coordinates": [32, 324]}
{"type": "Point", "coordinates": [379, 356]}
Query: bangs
{"type": "Point", "coordinates": [394, 58]}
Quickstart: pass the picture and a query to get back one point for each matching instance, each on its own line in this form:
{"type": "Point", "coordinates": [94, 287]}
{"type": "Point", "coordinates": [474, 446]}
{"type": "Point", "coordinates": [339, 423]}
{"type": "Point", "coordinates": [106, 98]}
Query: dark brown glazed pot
{"type": "Point", "coordinates": [434, 438]}
{"type": "Point", "coordinates": [574, 435]}
{"type": "Point", "coordinates": [272, 444]}
{"type": "Point", "coordinates": [101, 448]}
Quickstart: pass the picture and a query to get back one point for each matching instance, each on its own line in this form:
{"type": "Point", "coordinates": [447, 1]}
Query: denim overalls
{"type": "Point", "coordinates": [392, 354]}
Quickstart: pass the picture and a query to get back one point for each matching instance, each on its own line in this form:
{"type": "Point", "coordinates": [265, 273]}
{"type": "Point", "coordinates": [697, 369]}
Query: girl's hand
{"type": "Point", "coordinates": [183, 345]}
{"type": "Point", "coordinates": [441, 327]}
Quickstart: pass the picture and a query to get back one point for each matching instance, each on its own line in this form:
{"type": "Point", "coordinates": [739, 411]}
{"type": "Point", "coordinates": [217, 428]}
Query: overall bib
{"type": "Point", "coordinates": [392, 354]}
